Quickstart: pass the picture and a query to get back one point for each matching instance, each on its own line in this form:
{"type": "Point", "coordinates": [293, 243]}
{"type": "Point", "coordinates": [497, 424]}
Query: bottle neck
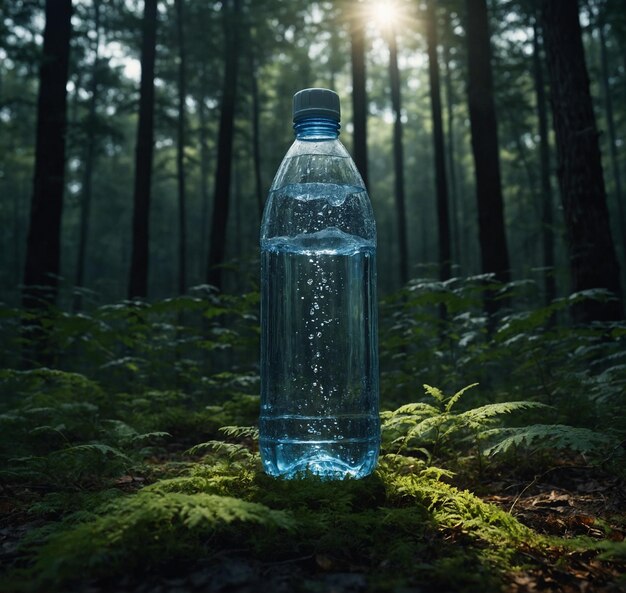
{"type": "Point", "coordinates": [316, 128]}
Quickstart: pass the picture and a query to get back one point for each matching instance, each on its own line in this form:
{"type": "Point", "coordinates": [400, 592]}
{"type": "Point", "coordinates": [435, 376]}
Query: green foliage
{"type": "Point", "coordinates": [555, 436]}
{"type": "Point", "coordinates": [142, 530]}
{"type": "Point", "coordinates": [433, 429]}
{"type": "Point", "coordinates": [452, 508]}
{"type": "Point", "coordinates": [526, 354]}
{"type": "Point", "coordinates": [430, 428]}
{"type": "Point", "coordinates": [145, 452]}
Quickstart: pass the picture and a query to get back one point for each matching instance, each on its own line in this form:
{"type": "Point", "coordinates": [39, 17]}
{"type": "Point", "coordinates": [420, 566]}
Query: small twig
{"type": "Point", "coordinates": [535, 479]}
{"type": "Point", "coordinates": [289, 561]}
{"type": "Point", "coordinates": [613, 451]}
{"type": "Point", "coordinates": [539, 476]}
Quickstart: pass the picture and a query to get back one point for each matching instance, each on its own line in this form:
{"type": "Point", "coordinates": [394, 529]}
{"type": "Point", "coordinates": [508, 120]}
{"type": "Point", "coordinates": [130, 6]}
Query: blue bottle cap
{"type": "Point", "coordinates": [316, 103]}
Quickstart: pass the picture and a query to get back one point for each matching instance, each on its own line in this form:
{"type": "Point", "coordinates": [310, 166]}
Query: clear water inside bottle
{"type": "Point", "coordinates": [319, 400]}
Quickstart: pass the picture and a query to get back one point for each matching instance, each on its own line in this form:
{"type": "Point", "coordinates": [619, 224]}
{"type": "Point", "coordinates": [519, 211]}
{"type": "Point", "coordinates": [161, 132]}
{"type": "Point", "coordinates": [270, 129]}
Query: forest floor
{"type": "Point", "coordinates": [570, 501]}
{"type": "Point", "coordinates": [566, 501]}
{"type": "Point", "coordinates": [136, 469]}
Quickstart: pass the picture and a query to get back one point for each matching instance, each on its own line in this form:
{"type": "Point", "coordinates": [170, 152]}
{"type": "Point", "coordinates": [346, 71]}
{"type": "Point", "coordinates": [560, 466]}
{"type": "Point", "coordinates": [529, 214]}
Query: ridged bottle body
{"type": "Point", "coordinates": [319, 347]}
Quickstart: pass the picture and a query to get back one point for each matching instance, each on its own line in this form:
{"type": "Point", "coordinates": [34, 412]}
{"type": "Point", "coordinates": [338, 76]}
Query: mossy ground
{"type": "Point", "coordinates": [115, 475]}
{"type": "Point", "coordinates": [218, 523]}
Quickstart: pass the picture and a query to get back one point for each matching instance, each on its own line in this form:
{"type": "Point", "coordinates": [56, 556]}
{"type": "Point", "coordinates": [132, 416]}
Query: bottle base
{"type": "Point", "coordinates": [280, 461]}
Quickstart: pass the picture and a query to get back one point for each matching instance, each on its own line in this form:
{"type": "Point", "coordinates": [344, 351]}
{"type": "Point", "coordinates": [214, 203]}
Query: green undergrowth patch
{"type": "Point", "coordinates": [140, 458]}
{"type": "Point", "coordinates": [402, 524]}
{"type": "Point", "coordinates": [138, 508]}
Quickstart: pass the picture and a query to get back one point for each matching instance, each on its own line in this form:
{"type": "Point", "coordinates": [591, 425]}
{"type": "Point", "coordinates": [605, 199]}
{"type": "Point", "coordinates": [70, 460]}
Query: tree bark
{"type": "Point", "coordinates": [204, 177]}
{"type": "Point", "coordinates": [483, 123]}
{"type": "Point", "coordinates": [138, 281]}
{"type": "Point", "coordinates": [256, 126]}
{"type": "Point", "coordinates": [225, 144]}
{"type": "Point", "coordinates": [454, 196]}
{"type": "Point", "coordinates": [610, 121]}
{"type": "Point", "coordinates": [180, 149]}
{"type": "Point", "coordinates": [443, 220]}
{"type": "Point", "coordinates": [398, 157]}
{"type": "Point", "coordinates": [359, 92]}
{"type": "Point", "coordinates": [43, 252]}
{"type": "Point", "coordinates": [593, 261]}
{"type": "Point", "coordinates": [89, 162]}
{"type": "Point", "coordinates": [547, 218]}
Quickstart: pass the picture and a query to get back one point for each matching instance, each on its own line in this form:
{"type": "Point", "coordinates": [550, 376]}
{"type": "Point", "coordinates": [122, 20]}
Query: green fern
{"type": "Point", "coordinates": [457, 509]}
{"type": "Point", "coordinates": [425, 428]}
{"type": "Point", "coordinates": [69, 467]}
{"type": "Point", "coordinates": [141, 530]}
{"type": "Point", "coordinates": [547, 436]}
{"type": "Point", "coordinates": [250, 432]}
{"type": "Point", "coordinates": [232, 450]}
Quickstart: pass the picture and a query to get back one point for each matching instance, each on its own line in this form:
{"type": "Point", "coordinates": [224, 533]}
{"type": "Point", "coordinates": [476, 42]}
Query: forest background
{"type": "Point", "coordinates": [137, 146]}
{"type": "Point", "coordinates": [282, 47]}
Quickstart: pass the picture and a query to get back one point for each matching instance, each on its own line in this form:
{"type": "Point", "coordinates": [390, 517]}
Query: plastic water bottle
{"type": "Point", "coordinates": [319, 344]}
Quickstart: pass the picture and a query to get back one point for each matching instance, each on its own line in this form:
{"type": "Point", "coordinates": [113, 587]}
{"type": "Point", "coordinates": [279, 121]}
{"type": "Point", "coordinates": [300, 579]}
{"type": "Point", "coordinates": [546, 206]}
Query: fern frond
{"type": "Point", "coordinates": [231, 449]}
{"type": "Point", "coordinates": [249, 432]}
{"type": "Point", "coordinates": [436, 473]}
{"type": "Point", "coordinates": [555, 436]}
{"type": "Point", "coordinates": [416, 409]}
{"type": "Point", "coordinates": [146, 436]}
{"type": "Point", "coordinates": [483, 413]}
{"type": "Point", "coordinates": [423, 430]}
{"type": "Point", "coordinates": [434, 392]}
{"type": "Point", "coordinates": [457, 396]}
{"type": "Point", "coordinates": [98, 448]}
{"type": "Point", "coordinates": [143, 529]}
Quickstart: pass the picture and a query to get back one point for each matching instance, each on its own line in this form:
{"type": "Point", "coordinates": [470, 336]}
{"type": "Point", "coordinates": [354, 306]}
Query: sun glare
{"type": "Point", "coordinates": [385, 13]}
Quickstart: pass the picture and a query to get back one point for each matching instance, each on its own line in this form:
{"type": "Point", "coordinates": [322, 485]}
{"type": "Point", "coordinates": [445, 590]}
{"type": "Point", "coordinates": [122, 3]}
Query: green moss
{"type": "Point", "coordinates": [72, 434]}
{"type": "Point", "coordinates": [142, 529]}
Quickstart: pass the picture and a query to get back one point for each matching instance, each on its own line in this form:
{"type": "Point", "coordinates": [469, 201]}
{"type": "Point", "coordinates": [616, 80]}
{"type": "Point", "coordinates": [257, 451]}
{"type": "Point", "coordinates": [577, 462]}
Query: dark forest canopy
{"type": "Point", "coordinates": [193, 141]}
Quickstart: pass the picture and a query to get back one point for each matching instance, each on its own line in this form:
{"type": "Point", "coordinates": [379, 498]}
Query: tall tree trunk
{"type": "Point", "coordinates": [454, 196]}
{"type": "Point", "coordinates": [593, 261]}
{"type": "Point", "coordinates": [204, 177]}
{"type": "Point", "coordinates": [89, 162]}
{"type": "Point", "coordinates": [443, 221]}
{"type": "Point", "coordinates": [334, 58]}
{"type": "Point", "coordinates": [138, 281]}
{"type": "Point", "coordinates": [547, 218]}
{"type": "Point", "coordinates": [43, 252]}
{"type": "Point", "coordinates": [17, 233]}
{"type": "Point", "coordinates": [398, 157]}
{"type": "Point", "coordinates": [256, 134]}
{"type": "Point", "coordinates": [225, 144]}
{"type": "Point", "coordinates": [610, 121]}
{"type": "Point", "coordinates": [180, 150]}
{"type": "Point", "coordinates": [359, 92]}
{"type": "Point", "coordinates": [491, 230]}
{"type": "Point", "coordinates": [237, 194]}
